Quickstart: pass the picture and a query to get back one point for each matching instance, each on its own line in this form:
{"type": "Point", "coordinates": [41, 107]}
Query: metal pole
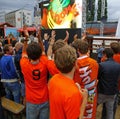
{"type": "Point", "coordinates": [101, 28]}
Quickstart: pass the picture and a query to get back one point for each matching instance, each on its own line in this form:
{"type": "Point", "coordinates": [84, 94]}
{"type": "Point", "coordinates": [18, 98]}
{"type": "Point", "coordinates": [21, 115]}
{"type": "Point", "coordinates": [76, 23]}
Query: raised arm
{"type": "Point", "coordinates": [67, 37]}
{"type": "Point", "coordinates": [49, 52]}
{"type": "Point", "coordinates": [40, 41]}
{"type": "Point", "coordinates": [26, 34]}
{"type": "Point", "coordinates": [52, 40]}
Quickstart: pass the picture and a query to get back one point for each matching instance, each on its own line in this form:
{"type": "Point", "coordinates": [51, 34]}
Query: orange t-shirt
{"type": "Point", "coordinates": [64, 97]}
{"type": "Point", "coordinates": [35, 76]}
{"type": "Point", "coordinates": [86, 76]}
{"type": "Point", "coordinates": [52, 67]}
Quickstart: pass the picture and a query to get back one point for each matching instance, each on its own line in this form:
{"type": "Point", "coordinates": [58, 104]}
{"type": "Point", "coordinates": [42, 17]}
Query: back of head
{"type": "Point", "coordinates": [115, 47]}
{"type": "Point", "coordinates": [58, 44]}
{"type": "Point", "coordinates": [83, 46]}
{"type": "Point", "coordinates": [18, 46]}
{"type": "Point", "coordinates": [75, 44]}
{"type": "Point", "coordinates": [65, 58]}
{"type": "Point", "coordinates": [34, 51]}
{"type": "Point", "coordinates": [7, 49]}
{"type": "Point", "coordinates": [108, 52]}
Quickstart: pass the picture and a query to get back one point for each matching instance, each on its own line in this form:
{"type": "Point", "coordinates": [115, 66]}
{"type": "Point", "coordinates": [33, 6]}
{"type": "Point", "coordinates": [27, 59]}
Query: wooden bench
{"type": "Point", "coordinates": [12, 107]}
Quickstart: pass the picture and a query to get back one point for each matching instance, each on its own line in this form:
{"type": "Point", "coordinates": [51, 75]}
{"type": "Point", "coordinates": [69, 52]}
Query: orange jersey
{"type": "Point", "coordinates": [35, 76]}
{"type": "Point", "coordinates": [64, 97]}
{"type": "Point", "coordinates": [86, 76]}
{"type": "Point", "coordinates": [52, 67]}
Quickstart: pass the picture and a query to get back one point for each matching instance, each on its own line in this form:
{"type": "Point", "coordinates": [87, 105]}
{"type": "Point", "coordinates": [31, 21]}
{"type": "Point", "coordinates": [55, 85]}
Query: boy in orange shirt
{"type": "Point", "coordinates": [34, 68]}
{"type": "Point", "coordinates": [66, 100]}
{"type": "Point", "coordinates": [86, 76]}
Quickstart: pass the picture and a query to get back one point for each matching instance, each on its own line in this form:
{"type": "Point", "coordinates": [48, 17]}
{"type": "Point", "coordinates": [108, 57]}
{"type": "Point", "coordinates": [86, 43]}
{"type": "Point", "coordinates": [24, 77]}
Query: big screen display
{"type": "Point", "coordinates": [62, 14]}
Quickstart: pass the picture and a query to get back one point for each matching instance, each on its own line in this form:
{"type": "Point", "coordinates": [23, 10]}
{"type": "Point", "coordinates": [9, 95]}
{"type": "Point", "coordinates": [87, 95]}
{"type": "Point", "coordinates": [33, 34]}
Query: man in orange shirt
{"type": "Point", "coordinates": [86, 76]}
{"type": "Point", "coordinates": [34, 68]}
{"type": "Point", "coordinates": [66, 100]}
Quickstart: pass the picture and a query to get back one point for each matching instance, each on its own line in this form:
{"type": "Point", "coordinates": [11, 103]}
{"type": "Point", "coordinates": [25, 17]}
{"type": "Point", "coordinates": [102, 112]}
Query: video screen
{"type": "Point", "coordinates": [61, 14]}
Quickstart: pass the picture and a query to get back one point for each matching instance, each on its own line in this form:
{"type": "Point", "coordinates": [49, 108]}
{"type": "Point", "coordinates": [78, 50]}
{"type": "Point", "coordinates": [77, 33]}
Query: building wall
{"type": "Point", "coordinates": [37, 20]}
{"type": "Point", "coordinates": [19, 18]}
{"type": "Point", "coordinates": [23, 17]}
{"type": "Point", "coordinates": [2, 16]}
{"type": "Point", "coordinates": [10, 18]}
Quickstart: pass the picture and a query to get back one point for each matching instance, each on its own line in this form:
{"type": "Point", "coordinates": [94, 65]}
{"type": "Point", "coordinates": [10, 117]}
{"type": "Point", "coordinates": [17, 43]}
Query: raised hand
{"type": "Point", "coordinates": [53, 34]}
{"type": "Point", "coordinates": [67, 37]}
{"type": "Point", "coordinates": [25, 31]}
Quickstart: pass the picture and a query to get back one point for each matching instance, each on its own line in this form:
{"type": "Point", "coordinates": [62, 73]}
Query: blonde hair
{"type": "Point", "coordinates": [65, 58]}
{"type": "Point", "coordinates": [18, 46]}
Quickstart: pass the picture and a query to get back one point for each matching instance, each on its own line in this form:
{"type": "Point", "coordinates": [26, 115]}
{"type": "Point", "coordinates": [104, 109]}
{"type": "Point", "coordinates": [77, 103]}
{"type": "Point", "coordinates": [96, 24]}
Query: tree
{"type": "Point", "coordinates": [100, 8]}
{"type": "Point", "coordinates": [90, 10]}
{"type": "Point", "coordinates": [106, 12]}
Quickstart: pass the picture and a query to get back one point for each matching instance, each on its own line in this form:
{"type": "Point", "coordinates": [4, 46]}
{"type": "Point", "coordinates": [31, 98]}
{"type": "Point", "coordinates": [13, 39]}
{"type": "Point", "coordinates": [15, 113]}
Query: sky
{"type": "Point", "coordinates": [10, 5]}
{"type": "Point", "coordinates": [113, 9]}
{"type": "Point", "coordinates": [113, 6]}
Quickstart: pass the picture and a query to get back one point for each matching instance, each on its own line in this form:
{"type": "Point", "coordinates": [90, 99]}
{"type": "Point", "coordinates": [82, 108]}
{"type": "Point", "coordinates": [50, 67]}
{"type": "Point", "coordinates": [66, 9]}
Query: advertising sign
{"type": "Point", "coordinates": [11, 30]}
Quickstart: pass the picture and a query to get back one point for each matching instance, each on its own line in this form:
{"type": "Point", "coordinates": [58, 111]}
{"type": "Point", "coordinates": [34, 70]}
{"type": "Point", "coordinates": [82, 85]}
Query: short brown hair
{"type": "Point", "coordinates": [108, 52]}
{"type": "Point", "coordinates": [6, 48]}
{"type": "Point", "coordinates": [58, 44]}
{"type": "Point", "coordinates": [83, 46]}
{"type": "Point", "coordinates": [34, 51]}
{"type": "Point", "coordinates": [65, 58]}
{"type": "Point", "coordinates": [115, 47]}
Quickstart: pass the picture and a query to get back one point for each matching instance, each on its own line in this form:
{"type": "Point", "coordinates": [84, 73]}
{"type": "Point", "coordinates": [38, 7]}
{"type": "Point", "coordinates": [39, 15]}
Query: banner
{"type": "Point", "coordinates": [11, 30]}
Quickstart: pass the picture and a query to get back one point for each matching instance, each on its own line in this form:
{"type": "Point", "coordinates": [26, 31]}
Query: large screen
{"type": "Point", "coordinates": [61, 14]}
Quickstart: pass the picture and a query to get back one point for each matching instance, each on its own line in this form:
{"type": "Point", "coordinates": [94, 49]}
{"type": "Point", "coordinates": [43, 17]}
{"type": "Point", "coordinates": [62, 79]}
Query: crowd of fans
{"type": "Point", "coordinates": [57, 80]}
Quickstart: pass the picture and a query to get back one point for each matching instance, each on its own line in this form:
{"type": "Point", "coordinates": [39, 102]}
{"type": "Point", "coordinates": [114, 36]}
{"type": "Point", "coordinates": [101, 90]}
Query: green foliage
{"type": "Point", "coordinates": [90, 10]}
{"type": "Point", "coordinates": [106, 12]}
{"type": "Point", "coordinates": [99, 10]}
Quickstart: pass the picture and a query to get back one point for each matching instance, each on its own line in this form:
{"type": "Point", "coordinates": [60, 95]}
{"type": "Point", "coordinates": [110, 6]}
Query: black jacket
{"type": "Point", "coordinates": [108, 75]}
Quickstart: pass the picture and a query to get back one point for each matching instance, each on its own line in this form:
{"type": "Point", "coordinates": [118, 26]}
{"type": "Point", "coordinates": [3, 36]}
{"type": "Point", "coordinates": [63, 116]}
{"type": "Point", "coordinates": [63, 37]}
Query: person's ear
{"type": "Point", "coordinates": [78, 52]}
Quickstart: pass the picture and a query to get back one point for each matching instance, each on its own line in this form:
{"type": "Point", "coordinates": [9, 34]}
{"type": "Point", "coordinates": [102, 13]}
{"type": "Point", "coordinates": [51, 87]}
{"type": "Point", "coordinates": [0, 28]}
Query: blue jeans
{"type": "Point", "coordinates": [23, 89]}
{"type": "Point", "coordinates": [12, 91]}
{"type": "Point", "coordinates": [108, 100]}
{"type": "Point", "coordinates": [1, 112]}
{"type": "Point", "coordinates": [114, 109]}
{"type": "Point", "coordinates": [37, 111]}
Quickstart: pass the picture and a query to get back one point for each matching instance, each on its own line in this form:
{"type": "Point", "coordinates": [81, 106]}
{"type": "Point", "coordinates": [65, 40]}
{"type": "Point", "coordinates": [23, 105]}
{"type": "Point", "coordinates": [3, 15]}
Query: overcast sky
{"type": "Point", "coordinates": [16, 4]}
{"type": "Point", "coordinates": [113, 9]}
{"type": "Point", "coordinates": [113, 6]}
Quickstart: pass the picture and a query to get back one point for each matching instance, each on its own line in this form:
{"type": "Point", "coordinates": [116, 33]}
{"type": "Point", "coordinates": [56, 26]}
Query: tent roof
{"type": "Point", "coordinates": [28, 29]}
{"type": "Point", "coordinates": [2, 24]}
